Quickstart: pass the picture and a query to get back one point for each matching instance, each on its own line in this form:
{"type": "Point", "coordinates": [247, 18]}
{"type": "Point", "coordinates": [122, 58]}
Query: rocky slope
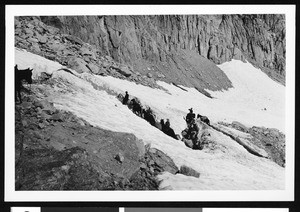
{"type": "Point", "coordinates": [267, 142]}
{"type": "Point", "coordinates": [162, 41]}
{"type": "Point", "coordinates": [56, 150]}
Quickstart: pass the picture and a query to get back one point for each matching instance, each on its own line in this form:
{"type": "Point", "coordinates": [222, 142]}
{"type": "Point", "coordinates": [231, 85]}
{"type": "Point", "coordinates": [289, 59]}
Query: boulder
{"type": "Point", "coordinates": [124, 70]}
{"type": "Point", "coordinates": [32, 40]}
{"type": "Point", "coordinates": [74, 40]}
{"type": "Point", "coordinates": [56, 46]}
{"type": "Point", "coordinates": [45, 105]}
{"type": "Point", "coordinates": [29, 32]}
{"type": "Point", "coordinates": [66, 52]}
{"type": "Point", "coordinates": [86, 51]}
{"type": "Point", "coordinates": [188, 171]}
{"type": "Point", "coordinates": [78, 64]}
{"type": "Point", "coordinates": [159, 75]}
{"type": "Point", "coordinates": [57, 117]}
{"type": "Point", "coordinates": [42, 38]}
{"type": "Point", "coordinates": [119, 157]}
{"type": "Point", "coordinates": [52, 30]}
{"type": "Point", "coordinates": [93, 68]}
{"type": "Point", "coordinates": [160, 161]}
{"type": "Point", "coordinates": [105, 64]}
{"type": "Point", "coordinates": [188, 142]}
{"type": "Point", "coordinates": [26, 105]}
{"type": "Point", "coordinates": [50, 56]}
{"type": "Point", "coordinates": [240, 126]}
{"type": "Point", "coordinates": [35, 48]}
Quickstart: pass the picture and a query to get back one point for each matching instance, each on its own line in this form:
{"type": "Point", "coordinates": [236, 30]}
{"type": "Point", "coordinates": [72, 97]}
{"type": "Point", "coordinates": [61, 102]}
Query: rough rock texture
{"type": "Point", "coordinates": [102, 55]}
{"type": "Point", "coordinates": [259, 141]}
{"type": "Point", "coordinates": [35, 36]}
{"type": "Point", "coordinates": [55, 150]}
{"type": "Point", "coordinates": [189, 171]}
{"type": "Point", "coordinates": [163, 40]}
{"type": "Point", "coordinates": [245, 140]}
{"type": "Point", "coordinates": [271, 140]}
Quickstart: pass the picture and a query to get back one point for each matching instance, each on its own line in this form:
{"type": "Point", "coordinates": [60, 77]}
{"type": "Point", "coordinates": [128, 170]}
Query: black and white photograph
{"type": "Point", "coordinates": [185, 103]}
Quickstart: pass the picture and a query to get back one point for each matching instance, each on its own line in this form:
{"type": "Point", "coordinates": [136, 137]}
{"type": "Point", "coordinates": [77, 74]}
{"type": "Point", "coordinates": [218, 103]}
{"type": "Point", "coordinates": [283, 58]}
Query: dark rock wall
{"type": "Point", "coordinates": [258, 38]}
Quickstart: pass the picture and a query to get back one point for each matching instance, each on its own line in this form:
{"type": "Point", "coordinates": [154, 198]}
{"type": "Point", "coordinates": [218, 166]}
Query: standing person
{"type": "Point", "coordinates": [162, 123]}
{"type": "Point", "coordinates": [193, 130]}
{"type": "Point", "coordinates": [169, 131]}
{"type": "Point", "coordinates": [190, 116]}
{"type": "Point", "coordinates": [125, 100]}
{"type": "Point", "coordinates": [167, 124]}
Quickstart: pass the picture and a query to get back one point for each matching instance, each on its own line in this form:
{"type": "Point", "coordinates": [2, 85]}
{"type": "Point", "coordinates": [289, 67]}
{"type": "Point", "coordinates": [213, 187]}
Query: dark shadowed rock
{"type": "Point", "coordinates": [185, 170]}
{"type": "Point", "coordinates": [160, 161]}
{"type": "Point", "coordinates": [69, 155]}
{"type": "Point", "coordinates": [119, 157]}
{"type": "Point", "coordinates": [57, 117]}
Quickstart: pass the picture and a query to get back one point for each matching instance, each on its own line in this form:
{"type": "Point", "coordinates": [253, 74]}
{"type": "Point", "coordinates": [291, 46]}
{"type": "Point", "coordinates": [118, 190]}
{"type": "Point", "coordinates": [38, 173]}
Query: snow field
{"type": "Point", "coordinates": [228, 167]}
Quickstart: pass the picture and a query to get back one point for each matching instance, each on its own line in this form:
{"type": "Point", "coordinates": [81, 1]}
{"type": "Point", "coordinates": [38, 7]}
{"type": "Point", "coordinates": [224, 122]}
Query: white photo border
{"type": "Point", "coordinates": [157, 196]}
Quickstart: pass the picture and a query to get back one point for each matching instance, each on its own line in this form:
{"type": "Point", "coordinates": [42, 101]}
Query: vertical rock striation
{"type": "Point", "coordinates": [260, 39]}
{"type": "Point", "coordinates": [181, 49]}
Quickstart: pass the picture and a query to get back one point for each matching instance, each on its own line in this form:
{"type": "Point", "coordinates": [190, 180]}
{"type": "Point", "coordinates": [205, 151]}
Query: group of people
{"type": "Point", "coordinates": [148, 115]}
{"type": "Point", "coordinates": [190, 132]}
{"type": "Point", "coordinates": [165, 127]}
{"type": "Point", "coordinates": [192, 129]}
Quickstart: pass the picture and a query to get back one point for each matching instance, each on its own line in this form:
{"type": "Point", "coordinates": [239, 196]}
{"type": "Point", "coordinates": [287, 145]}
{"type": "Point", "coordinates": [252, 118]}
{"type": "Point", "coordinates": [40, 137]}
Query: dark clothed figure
{"type": "Point", "coordinates": [167, 129]}
{"type": "Point", "coordinates": [21, 75]}
{"type": "Point", "coordinates": [170, 132]}
{"type": "Point", "coordinates": [193, 130]}
{"type": "Point", "coordinates": [125, 100]}
{"type": "Point", "coordinates": [151, 118]}
{"type": "Point", "coordinates": [162, 122]}
{"type": "Point", "coordinates": [190, 116]}
{"type": "Point", "coordinates": [136, 107]}
{"type": "Point", "coordinates": [148, 116]}
{"type": "Point", "coordinates": [167, 124]}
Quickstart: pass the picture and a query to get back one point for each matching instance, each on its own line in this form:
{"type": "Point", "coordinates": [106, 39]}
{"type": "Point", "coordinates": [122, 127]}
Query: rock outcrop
{"type": "Point", "coordinates": [268, 142]}
{"type": "Point", "coordinates": [35, 36]}
{"type": "Point", "coordinates": [164, 40]}
{"type": "Point", "coordinates": [184, 67]}
{"type": "Point", "coordinates": [56, 150]}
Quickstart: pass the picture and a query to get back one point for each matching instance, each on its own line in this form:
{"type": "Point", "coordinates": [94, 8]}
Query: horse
{"type": "Point", "coordinates": [204, 119]}
{"type": "Point", "coordinates": [21, 75]}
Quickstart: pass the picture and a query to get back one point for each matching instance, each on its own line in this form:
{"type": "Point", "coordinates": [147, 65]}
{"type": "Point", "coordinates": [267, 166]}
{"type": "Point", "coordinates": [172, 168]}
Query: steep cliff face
{"type": "Point", "coordinates": [258, 38]}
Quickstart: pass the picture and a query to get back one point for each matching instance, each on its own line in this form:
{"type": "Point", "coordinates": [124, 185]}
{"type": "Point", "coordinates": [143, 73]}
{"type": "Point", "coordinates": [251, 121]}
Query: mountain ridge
{"type": "Point", "coordinates": [260, 39]}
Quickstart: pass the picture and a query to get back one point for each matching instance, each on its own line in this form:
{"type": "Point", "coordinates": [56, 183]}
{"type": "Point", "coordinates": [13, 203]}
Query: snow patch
{"type": "Point", "coordinates": [229, 167]}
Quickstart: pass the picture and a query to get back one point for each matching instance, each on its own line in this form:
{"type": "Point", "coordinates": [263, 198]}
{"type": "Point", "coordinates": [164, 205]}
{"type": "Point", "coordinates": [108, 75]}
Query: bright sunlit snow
{"type": "Point", "coordinates": [229, 166]}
